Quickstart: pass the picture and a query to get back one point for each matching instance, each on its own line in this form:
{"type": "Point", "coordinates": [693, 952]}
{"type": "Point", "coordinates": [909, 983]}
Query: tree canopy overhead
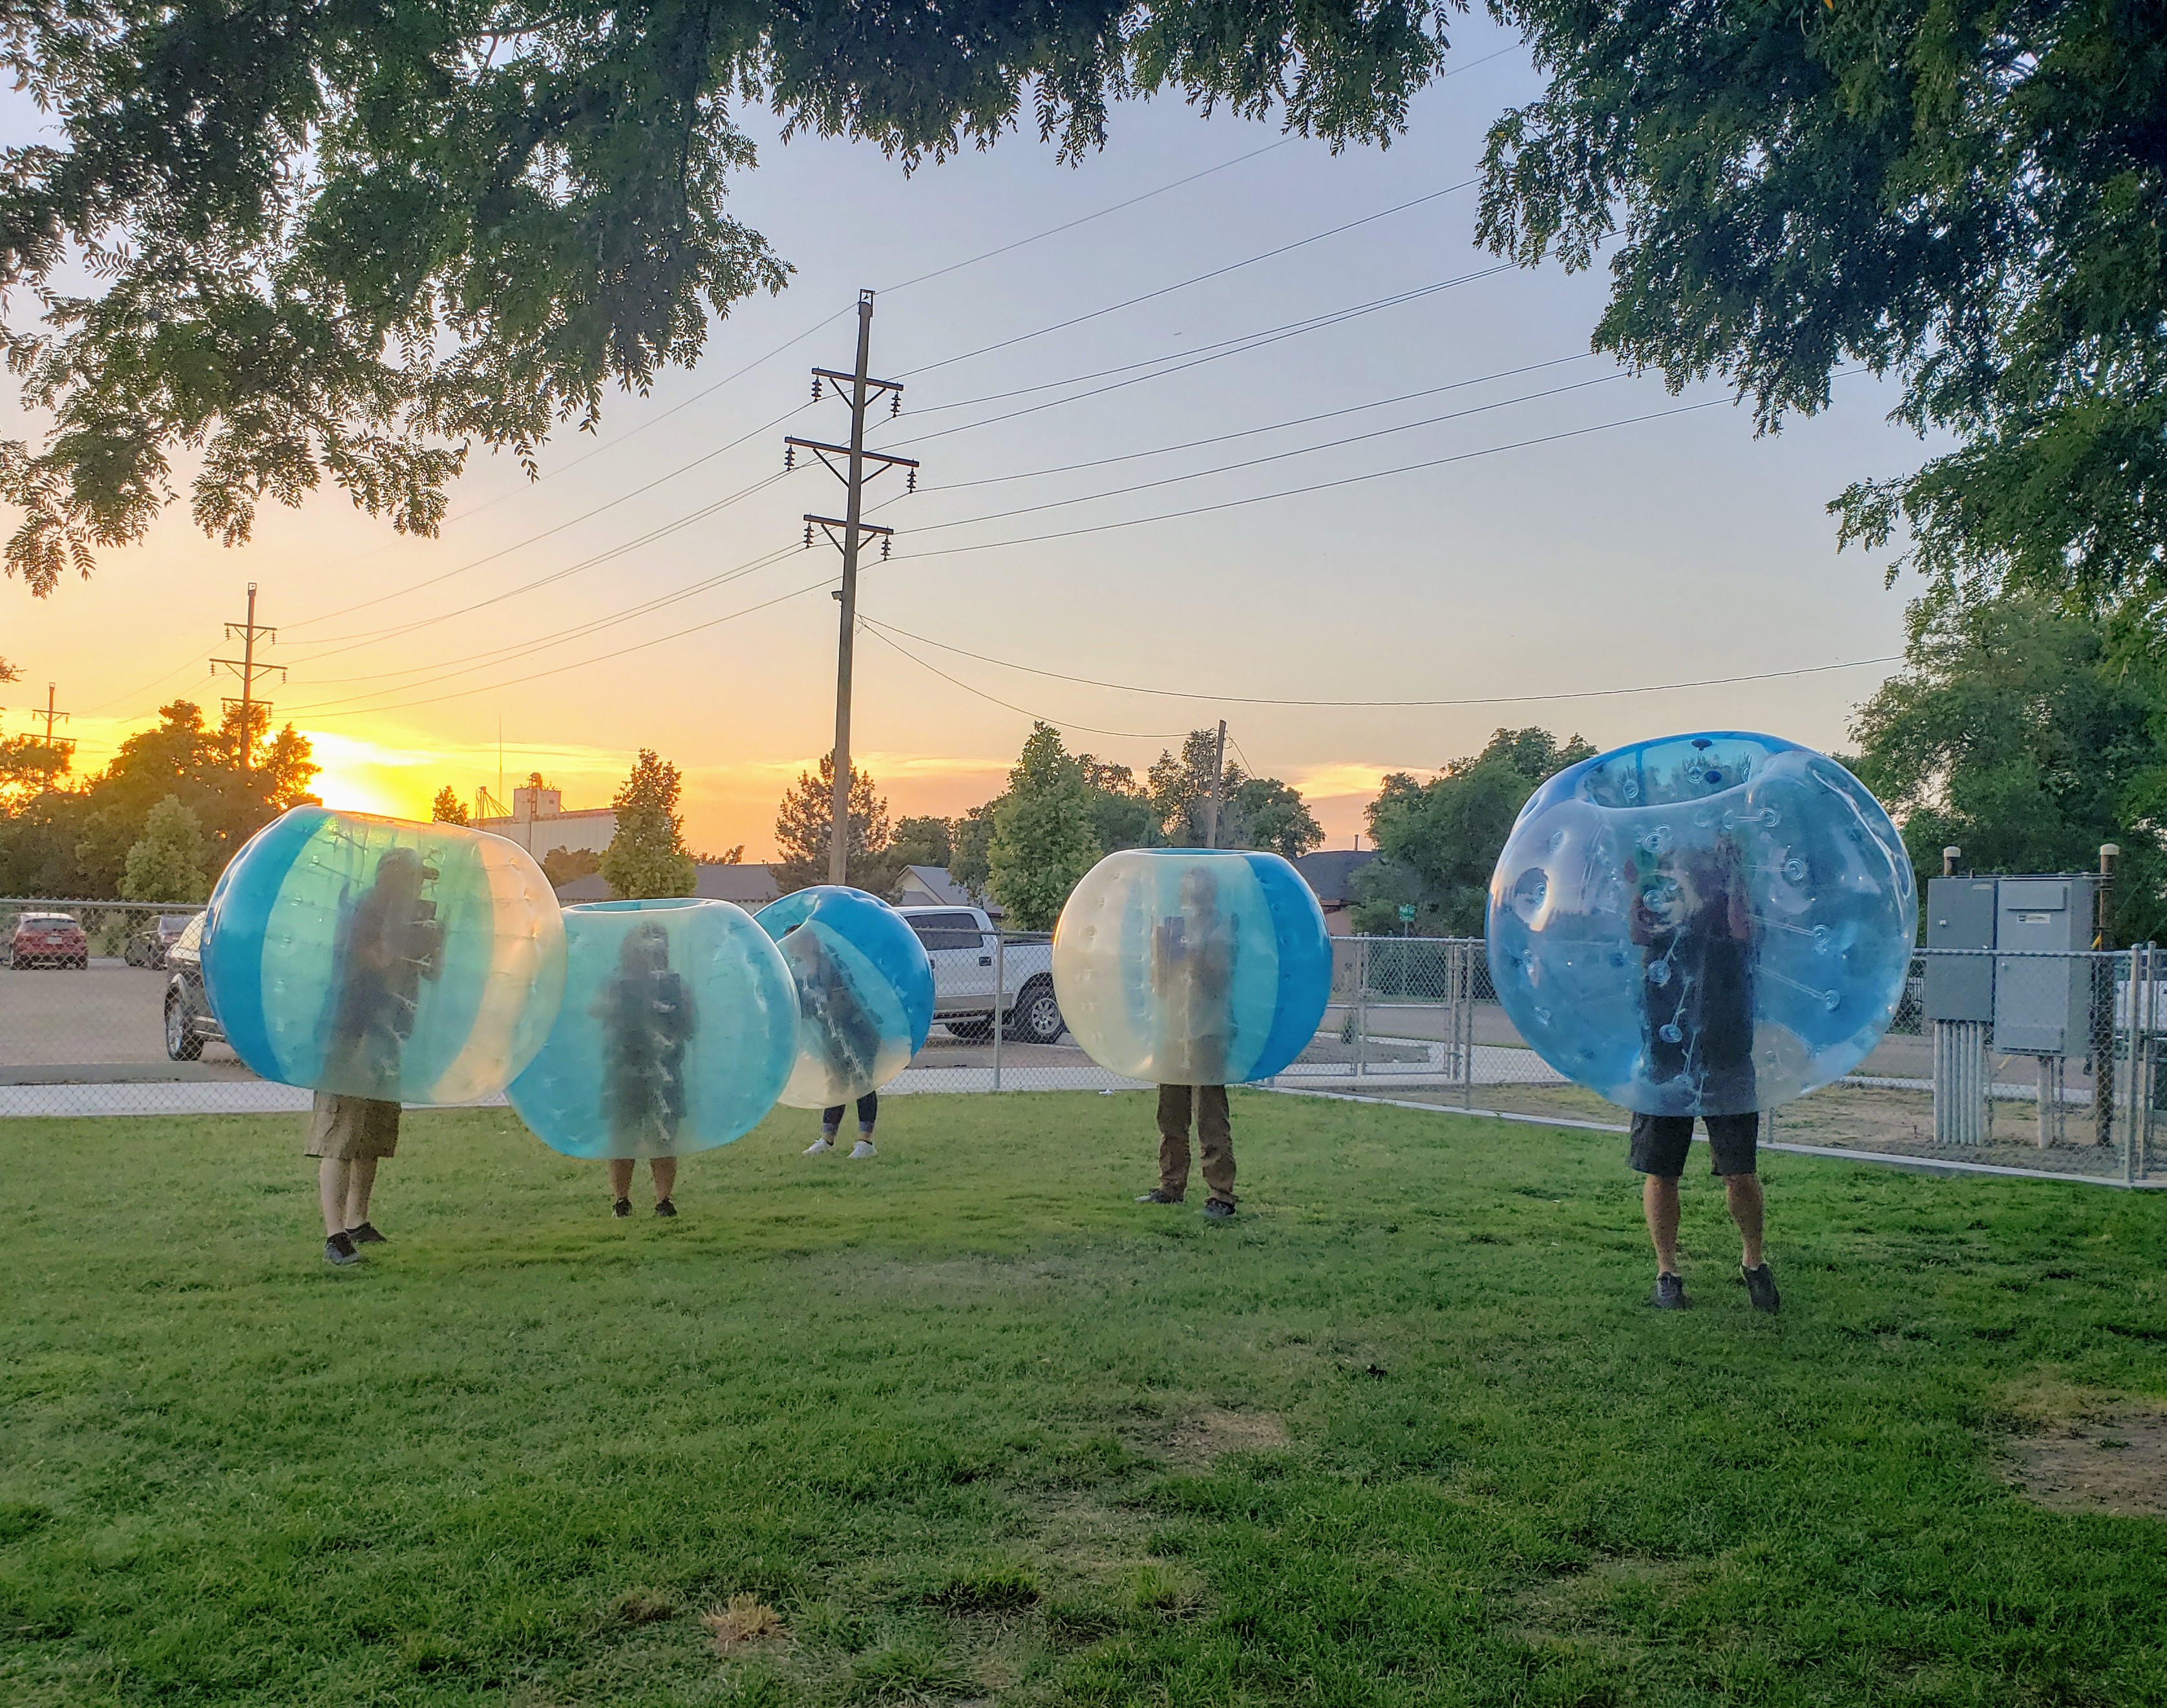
{"type": "Point", "coordinates": [344, 239]}
{"type": "Point", "coordinates": [1969, 195]}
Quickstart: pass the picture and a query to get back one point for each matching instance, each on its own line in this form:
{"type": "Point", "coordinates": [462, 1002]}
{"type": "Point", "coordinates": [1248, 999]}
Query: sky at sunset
{"type": "Point", "coordinates": [1075, 402]}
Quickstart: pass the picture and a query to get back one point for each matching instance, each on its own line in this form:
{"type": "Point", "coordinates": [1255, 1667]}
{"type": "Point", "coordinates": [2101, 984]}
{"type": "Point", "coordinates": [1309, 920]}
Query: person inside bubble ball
{"type": "Point", "coordinates": [846, 1035]}
{"type": "Point", "coordinates": [648, 1017]}
{"type": "Point", "coordinates": [390, 941]}
{"type": "Point", "coordinates": [1692, 917]}
{"type": "Point", "coordinates": [1193, 976]}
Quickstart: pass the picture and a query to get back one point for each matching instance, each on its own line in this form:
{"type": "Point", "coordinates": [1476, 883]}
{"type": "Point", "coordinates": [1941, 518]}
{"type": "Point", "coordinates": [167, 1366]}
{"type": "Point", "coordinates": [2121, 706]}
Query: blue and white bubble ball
{"type": "Point", "coordinates": [379, 958]}
{"type": "Point", "coordinates": [865, 992]}
{"type": "Point", "coordinates": [1703, 924]}
{"type": "Point", "coordinates": [1192, 966]}
{"type": "Point", "coordinates": [677, 1032]}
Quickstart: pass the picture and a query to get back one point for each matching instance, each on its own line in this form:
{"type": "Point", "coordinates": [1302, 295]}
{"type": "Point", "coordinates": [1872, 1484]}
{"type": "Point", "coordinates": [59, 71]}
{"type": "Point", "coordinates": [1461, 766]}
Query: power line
{"type": "Point", "coordinates": [546, 533]}
{"type": "Point", "coordinates": [1315, 486]}
{"type": "Point", "coordinates": [1377, 705]}
{"type": "Point", "coordinates": [582, 663]}
{"type": "Point", "coordinates": [875, 630]}
{"type": "Point", "coordinates": [1258, 461]}
{"type": "Point", "coordinates": [1184, 284]}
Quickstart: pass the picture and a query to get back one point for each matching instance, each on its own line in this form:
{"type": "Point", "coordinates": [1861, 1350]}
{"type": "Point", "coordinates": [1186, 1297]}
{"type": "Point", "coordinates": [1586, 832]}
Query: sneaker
{"type": "Point", "coordinates": [365, 1235]}
{"type": "Point", "coordinates": [820, 1146]}
{"type": "Point", "coordinates": [1670, 1293]}
{"type": "Point", "coordinates": [1219, 1210]}
{"type": "Point", "coordinates": [1156, 1195]}
{"type": "Point", "coordinates": [664, 1208]}
{"type": "Point", "coordinates": [1761, 1288]}
{"type": "Point", "coordinates": [622, 1208]}
{"type": "Point", "coordinates": [863, 1149]}
{"type": "Point", "coordinates": [339, 1249]}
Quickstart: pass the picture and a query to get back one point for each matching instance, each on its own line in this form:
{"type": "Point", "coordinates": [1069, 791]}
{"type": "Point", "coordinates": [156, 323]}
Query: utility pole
{"type": "Point", "coordinates": [1218, 788]}
{"type": "Point", "coordinates": [52, 716]}
{"type": "Point", "coordinates": [246, 668]}
{"type": "Point", "coordinates": [862, 390]}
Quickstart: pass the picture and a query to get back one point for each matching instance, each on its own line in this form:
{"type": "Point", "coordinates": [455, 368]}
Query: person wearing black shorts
{"type": "Point", "coordinates": [1692, 918]}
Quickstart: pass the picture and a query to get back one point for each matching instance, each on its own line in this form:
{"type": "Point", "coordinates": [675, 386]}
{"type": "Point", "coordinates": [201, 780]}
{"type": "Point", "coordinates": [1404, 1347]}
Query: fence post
{"type": "Point", "coordinates": [1464, 993]}
{"type": "Point", "coordinates": [1000, 998]}
{"type": "Point", "coordinates": [1361, 1003]}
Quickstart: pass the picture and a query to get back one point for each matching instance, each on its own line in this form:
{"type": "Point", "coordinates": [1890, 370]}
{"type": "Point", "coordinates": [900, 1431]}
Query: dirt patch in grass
{"type": "Point", "coordinates": [1584, 1605]}
{"type": "Point", "coordinates": [741, 1620]}
{"type": "Point", "coordinates": [1203, 1436]}
{"type": "Point", "coordinates": [2116, 1463]}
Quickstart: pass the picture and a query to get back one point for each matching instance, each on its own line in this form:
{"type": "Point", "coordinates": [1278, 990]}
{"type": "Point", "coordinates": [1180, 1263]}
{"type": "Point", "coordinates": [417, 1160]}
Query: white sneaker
{"type": "Point", "coordinates": [861, 1149]}
{"type": "Point", "coordinates": [820, 1146]}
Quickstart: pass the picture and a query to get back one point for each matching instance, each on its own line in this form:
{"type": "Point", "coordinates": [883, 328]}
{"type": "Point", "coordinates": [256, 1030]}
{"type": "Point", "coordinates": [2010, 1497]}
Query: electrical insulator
{"type": "Point", "coordinates": [808, 537]}
{"type": "Point", "coordinates": [816, 388]}
{"type": "Point", "coordinates": [884, 545]}
{"type": "Point", "coordinates": [895, 405]}
{"type": "Point", "coordinates": [911, 484]}
{"type": "Point", "coordinates": [789, 457]}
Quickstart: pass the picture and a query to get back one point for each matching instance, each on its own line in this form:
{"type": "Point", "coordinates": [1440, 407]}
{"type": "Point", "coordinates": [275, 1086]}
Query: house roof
{"type": "Point", "coordinates": [1330, 872]}
{"type": "Point", "coordinates": [747, 886]}
{"type": "Point", "coordinates": [938, 884]}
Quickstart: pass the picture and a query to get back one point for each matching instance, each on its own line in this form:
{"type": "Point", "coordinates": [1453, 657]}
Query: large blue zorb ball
{"type": "Point", "coordinates": [378, 958]}
{"type": "Point", "coordinates": [1703, 924]}
{"type": "Point", "coordinates": [1192, 966]}
{"type": "Point", "coordinates": [865, 992]}
{"type": "Point", "coordinates": [677, 1032]}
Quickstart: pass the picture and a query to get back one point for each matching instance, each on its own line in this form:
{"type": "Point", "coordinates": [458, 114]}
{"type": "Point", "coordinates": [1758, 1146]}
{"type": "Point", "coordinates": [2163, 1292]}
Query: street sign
{"type": "Point", "coordinates": [1407, 912]}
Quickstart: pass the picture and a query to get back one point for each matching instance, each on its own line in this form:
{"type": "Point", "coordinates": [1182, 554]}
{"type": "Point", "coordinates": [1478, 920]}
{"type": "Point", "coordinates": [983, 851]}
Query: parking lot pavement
{"type": "Point", "coordinates": [113, 1014]}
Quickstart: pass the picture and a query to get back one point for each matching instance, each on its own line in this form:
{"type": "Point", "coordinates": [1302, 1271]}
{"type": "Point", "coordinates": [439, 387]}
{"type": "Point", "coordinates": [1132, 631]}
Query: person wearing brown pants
{"type": "Point", "coordinates": [1215, 1137]}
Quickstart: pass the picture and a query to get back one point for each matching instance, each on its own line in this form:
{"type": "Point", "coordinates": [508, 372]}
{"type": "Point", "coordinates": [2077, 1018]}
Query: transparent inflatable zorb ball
{"type": "Point", "coordinates": [413, 963]}
{"type": "Point", "coordinates": [865, 992]}
{"type": "Point", "coordinates": [677, 1032]}
{"type": "Point", "coordinates": [1702, 925]}
{"type": "Point", "coordinates": [1192, 966]}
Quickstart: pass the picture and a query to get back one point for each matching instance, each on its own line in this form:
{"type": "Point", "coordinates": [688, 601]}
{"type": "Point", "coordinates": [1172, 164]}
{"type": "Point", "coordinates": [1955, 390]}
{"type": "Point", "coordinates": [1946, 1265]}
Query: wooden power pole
{"type": "Point", "coordinates": [1218, 788]}
{"type": "Point", "coordinates": [246, 668]}
{"type": "Point", "coordinates": [847, 532]}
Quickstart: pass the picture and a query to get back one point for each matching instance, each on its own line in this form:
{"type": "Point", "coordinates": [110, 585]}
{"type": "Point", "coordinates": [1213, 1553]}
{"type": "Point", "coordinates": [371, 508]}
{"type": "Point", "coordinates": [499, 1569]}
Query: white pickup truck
{"type": "Point", "coordinates": [960, 944]}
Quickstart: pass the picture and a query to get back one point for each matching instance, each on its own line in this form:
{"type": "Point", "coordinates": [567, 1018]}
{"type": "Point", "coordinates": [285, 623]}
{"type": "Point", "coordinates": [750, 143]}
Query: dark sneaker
{"type": "Point", "coordinates": [1156, 1196]}
{"type": "Point", "coordinates": [622, 1208]}
{"type": "Point", "coordinates": [1670, 1293]}
{"type": "Point", "coordinates": [365, 1235]}
{"type": "Point", "coordinates": [663, 1207]}
{"type": "Point", "coordinates": [1219, 1209]}
{"type": "Point", "coordinates": [1761, 1288]}
{"type": "Point", "coordinates": [339, 1249]}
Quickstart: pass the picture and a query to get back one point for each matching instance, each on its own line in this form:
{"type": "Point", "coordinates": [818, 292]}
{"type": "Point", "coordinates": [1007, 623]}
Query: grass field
{"type": "Point", "coordinates": [975, 1427]}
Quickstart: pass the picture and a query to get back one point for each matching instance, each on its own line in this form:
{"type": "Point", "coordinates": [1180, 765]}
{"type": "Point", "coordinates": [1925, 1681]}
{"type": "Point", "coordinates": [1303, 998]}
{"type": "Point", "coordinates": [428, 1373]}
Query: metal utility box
{"type": "Point", "coordinates": [2043, 1006]}
{"type": "Point", "coordinates": [1960, 914]}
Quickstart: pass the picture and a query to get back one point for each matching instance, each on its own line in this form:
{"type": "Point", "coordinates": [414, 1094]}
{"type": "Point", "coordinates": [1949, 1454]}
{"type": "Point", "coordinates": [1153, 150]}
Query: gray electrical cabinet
{"type": "Point", "coordinates": [2043, 1007]}
{"type": "Point", "coordinates": [1960, 914]}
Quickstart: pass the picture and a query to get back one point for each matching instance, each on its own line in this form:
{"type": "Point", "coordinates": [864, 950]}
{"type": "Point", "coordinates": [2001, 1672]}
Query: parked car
{"type": "Point", "coordinates": [189, 1021]}
{"type": "Point", "coordinates": [48, 939]}
{"type": "Point", "coordinates": [960, 944]}
{"type": "Point", "coordinates": [150, 948]}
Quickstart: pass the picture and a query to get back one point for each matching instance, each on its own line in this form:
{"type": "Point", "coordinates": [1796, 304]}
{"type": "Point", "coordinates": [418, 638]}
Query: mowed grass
{"type": "Point", "coordinates": [974, 1427]}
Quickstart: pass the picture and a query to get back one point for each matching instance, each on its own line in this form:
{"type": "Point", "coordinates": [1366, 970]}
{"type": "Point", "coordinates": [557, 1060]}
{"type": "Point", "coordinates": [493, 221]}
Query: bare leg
{"type": "Point", "coordinates": [1659, 1198]}
{"type": "Point", "coordinates": [361, 1181]}
{"type": "Point", "coordinates": [331, 1192]}
{"type": "Point", "coordinates": [1744, 1192]}
{"type": "Point", "coordinates": [664, 1170]}
{"type": "Point", "coordinates": [620, 1173]}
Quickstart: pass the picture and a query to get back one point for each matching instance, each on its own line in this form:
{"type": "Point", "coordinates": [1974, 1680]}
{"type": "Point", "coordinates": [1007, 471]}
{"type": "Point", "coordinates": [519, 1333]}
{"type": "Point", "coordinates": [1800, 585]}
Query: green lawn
{"type": "Point", "coordinates": [979, 1428]}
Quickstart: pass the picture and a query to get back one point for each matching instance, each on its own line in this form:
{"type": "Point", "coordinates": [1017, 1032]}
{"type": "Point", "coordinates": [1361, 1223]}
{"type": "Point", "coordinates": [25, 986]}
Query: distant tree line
{"type": "Point", "coordinates": [1061, 813]}
{"type": "Point", "coordinates": [159, 822]}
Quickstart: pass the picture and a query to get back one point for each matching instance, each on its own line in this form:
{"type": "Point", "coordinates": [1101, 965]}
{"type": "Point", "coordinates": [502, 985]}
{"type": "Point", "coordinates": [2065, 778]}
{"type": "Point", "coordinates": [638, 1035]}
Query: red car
{"type": "Point", "coordinates": [48, 939]}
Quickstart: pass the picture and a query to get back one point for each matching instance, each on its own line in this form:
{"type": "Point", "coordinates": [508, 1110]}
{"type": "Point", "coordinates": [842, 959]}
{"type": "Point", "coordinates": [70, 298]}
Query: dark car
{"type": "Point", "coordinates": [150, 948]}
{"type": "Point", "coordinates": [48, 939]}
{"type": "Point", "coordinates": [190, 1024]}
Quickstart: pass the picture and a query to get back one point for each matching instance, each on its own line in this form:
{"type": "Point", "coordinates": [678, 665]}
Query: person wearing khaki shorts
{"type": "Point", "coordinates": [350, 1135]}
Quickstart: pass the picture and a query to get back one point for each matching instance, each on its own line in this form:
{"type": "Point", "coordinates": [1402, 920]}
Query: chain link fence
{"type": "Point", "coordinates": [2057, 1069]}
